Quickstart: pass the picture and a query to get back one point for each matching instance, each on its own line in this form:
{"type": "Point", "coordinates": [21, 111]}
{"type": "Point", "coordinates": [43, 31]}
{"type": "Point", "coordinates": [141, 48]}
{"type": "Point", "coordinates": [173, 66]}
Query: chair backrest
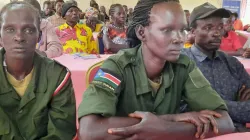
{"type": "Point", "coordinates": [92, 72]}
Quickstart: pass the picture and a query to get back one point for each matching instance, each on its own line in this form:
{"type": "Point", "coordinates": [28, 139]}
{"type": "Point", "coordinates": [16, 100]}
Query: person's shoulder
{"type": "Point", "coordinates": [125, 56]}
{"type": "Point", "coordinates": [232, 34]}
{"type": "Point", "coordinates": [46, 24]}
{"type": "Point", "coordinates": [184, 60]}
{"type": "Point", "coordinates": [51, 17]}
{"type": "Point", "coordinates": [52, 65]}
{"type": "Point", "coordinates": [85, 27]}
{"type": "Point", "coordinates": [187, 52]}
{"type": "Point", "coordinates": [231, 61]}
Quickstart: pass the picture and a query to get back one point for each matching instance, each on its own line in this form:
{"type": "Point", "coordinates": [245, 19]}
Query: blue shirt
{"type": "Point", "coordinates": [226, 75]}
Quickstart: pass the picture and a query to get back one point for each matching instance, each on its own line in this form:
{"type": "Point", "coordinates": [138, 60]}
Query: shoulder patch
{"type": "Point", "coordinates": [107, 79]}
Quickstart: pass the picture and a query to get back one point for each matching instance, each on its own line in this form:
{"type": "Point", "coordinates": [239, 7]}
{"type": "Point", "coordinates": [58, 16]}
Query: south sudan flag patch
{"type": "Point", "coordinates": [107, 79]}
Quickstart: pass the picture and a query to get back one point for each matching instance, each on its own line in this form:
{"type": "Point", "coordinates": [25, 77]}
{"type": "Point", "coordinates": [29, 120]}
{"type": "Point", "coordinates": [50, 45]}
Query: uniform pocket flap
{"type": "Point", "coordinates": [198, 79]}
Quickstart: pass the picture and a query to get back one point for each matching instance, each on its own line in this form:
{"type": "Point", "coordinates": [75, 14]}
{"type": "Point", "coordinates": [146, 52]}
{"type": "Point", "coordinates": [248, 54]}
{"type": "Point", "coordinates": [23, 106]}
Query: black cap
{"type": "Point", "coordinates": [66, 6]}
{"type": "Point", "coordinates": [206, 10]}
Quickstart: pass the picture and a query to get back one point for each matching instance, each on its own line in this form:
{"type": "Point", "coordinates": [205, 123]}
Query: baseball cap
{"type": "Point", "coordinates": [206, 10]}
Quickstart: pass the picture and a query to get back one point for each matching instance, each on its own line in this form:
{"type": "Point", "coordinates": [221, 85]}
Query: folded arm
{"type": "Point", "coordinates": [163, 127]}
{"type": "Point", "coordinates": [109, 45]}
{"type": "Point", "coordinates": [239, 111]}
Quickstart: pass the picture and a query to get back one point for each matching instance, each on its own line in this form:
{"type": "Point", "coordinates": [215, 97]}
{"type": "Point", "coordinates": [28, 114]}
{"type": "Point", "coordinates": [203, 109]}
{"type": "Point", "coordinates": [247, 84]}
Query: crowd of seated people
{"type": "Point", "coordinates": [171, 74]}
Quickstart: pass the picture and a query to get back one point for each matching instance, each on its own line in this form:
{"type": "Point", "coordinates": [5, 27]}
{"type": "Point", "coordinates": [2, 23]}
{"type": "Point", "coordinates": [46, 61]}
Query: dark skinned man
{"type": "Point", "coordinates": [225, 73]}
{"type": "Point", "coordinates": [36, 95]}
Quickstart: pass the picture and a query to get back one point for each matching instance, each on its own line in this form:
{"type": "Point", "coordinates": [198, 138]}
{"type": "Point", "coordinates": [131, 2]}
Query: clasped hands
{"type": "Point", "coordinates": [152, 127]}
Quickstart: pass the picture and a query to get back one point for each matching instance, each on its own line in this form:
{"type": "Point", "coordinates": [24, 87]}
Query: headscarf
{"type": "Point", "coordinates": [91, 12]}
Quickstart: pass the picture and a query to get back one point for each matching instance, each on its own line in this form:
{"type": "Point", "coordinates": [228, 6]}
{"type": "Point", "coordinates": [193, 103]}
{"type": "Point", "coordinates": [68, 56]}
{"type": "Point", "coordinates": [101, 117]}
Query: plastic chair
{"type": "Point", "coordinates": [92, 72]}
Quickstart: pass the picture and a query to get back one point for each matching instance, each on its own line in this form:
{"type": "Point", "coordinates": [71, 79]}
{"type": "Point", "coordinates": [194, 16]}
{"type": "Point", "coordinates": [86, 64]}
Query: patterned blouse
{"type": "Point", "coordinates": [76, 40]}
{"type": "Point", "coordinates": [115, 36]}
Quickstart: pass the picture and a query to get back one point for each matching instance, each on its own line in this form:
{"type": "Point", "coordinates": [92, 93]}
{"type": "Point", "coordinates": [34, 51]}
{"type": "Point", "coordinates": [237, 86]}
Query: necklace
{"type": "Point", "coordinates": [121, 28]}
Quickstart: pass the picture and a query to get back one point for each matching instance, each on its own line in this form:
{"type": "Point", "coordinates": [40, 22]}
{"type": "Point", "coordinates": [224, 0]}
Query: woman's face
{"type": "Point", "coordinates": [119, 15]}
{"type": "Point", "coordinates": [164, 36]}
{"type": "Point", "coordinates": [91, 22]}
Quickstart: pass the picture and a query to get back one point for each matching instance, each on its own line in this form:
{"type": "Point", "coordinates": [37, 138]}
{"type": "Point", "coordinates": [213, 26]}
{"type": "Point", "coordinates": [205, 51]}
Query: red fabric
{"type": "Point", "coordinates": [231, 43]}
{"type": "Point", "coordinates": [243, 39]}
{"type": "Point", "coordinates": [248, 125]}
{"type": "Point", "coordinates": [238, 25]}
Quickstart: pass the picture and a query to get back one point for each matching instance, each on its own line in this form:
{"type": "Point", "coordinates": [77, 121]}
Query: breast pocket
{"type": "Point", "coordinates": [198, 79]}
{"type": "Point", "coordinates": [41, 122]}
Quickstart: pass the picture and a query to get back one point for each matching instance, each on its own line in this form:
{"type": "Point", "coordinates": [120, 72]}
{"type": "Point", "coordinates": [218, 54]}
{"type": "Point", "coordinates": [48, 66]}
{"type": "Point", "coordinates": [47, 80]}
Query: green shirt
{"type": "Point", "coordinates": [181, 80]}
{"type": "Point", "coordinates": [38, 114]}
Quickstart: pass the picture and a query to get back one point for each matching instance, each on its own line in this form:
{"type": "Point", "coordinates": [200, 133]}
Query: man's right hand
{"type": "Point", "coordinates": [201, 120]}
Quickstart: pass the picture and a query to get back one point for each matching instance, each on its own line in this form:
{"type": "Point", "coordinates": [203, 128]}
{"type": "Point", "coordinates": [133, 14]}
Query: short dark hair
{"type": "Point", "coordinates": [141, 17]}
{"type": "Point", "coordinates": [46, 2]}
{"type": "Point", "coordinates": [186, 11]}
{"type": "Point", "coordinates": [58, 1]}
{"type": "Point", "coordinates": [22, 4]}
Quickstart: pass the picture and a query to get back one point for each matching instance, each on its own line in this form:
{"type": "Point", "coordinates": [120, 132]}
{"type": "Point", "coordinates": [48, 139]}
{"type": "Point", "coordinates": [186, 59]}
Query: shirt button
{"type": "Point", "coordinates": [20, 111]}
{"type": "Point", "coordinates": [132, 59]}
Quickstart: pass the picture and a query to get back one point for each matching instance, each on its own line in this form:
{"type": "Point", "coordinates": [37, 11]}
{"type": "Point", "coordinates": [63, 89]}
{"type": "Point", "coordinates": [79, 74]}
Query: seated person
{"type": "Point", "coordinates": [92, 21]}
{"type": "Point", "coordinates": [189, 40]}
{"type": "Point", "coordinates": [57, 19]}
{"type": "Point", "coordinates": [49, 44]}
{"type": "Point", "coordinates": [36, 96]}
{"type": "Point", "coordinates": [75, 37]}
{"type": "Point", "coordinates": [237, 23]}
{"type": "Point", "coordinates": [103, 12]}
{"type": "Point", "coordinates": [136, 93]}
{"type": "Point", "coordinates": [114, 34]}
{"type": "Point", "coordinates": [225, 73]}
{"type": "Point", "coordinates": [47, 9]}
{"type": "Point", "coordinates": [230, 42]}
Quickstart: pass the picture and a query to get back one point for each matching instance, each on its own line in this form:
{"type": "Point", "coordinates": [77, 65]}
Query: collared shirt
{"type": "Point", "coordinates": [49, 42]}
{"type": "Point", "coordinates": [226, 75]}
{"type": "Point", "coordinates": [39, 113]}
{"type": "Point", "coordinates": [124, 88]}
{"type": "Point", "coordinates": [56, 20]}
{"type": "Point", "coordinates": [76, 40]}
{"type": "Point", "coordinates": [116, 36]}
{"type": "Point", "coordinates": [231, 43]}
